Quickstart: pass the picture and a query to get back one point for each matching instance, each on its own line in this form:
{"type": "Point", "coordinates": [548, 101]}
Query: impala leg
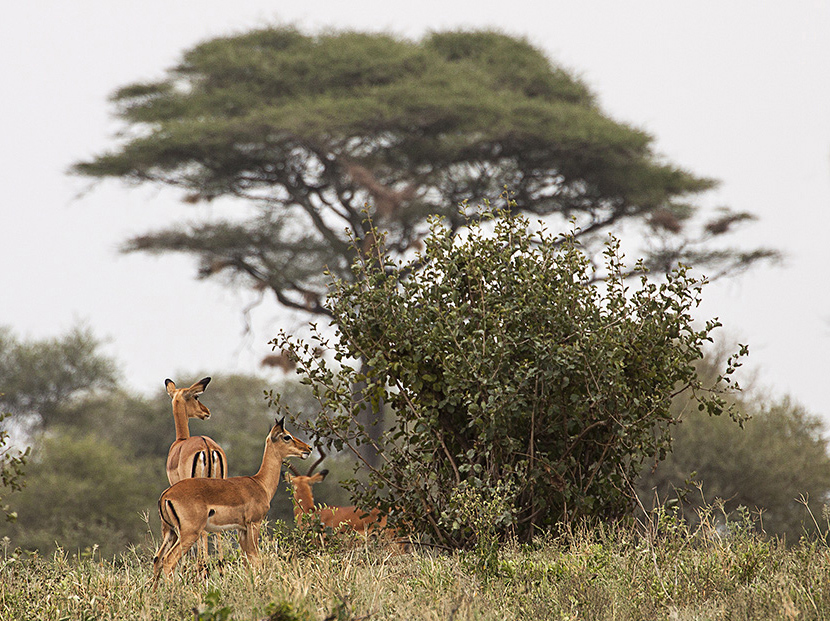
{"type": "Point", "coordinates": [167, 543]}
{"type": "Point", "coordinates": [185, 542]}
{"type": "Point", "coordinates": [202, 554]}
{"type": "Point", "coordinates": [203, 550]}
{"type": "Point", "coordinates": [249, 542]}
{"type": "Point", "coordinates": [219, 545]}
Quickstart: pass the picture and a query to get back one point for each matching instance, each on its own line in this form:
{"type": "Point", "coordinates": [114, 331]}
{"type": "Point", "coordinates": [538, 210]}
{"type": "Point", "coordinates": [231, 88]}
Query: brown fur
{"type": "Point", "coordinates": [339, 519]}
{"type": "Point", "coordinates": [193, 456]}
{"type": "Point", "coordinates": [193, 506]}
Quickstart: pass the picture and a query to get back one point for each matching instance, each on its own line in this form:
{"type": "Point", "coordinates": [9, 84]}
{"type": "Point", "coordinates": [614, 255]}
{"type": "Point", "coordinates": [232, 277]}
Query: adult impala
{"type": "Point", "coordinates": [192, 456]}
{"type": "Point", "coordinates": [339, 519]}
{"type": "Point", "coordinates": [193, 506]}
{"type": "Point", "coordinates": [189, 456]}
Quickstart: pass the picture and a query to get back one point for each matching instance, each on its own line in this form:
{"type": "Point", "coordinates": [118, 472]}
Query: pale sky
{"type": "Point", "coordinates": [737, 90]}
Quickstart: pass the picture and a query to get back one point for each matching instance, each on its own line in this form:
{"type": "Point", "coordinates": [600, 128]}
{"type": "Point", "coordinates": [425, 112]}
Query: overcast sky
{"type": "Point", "coordinates": [737, 90]}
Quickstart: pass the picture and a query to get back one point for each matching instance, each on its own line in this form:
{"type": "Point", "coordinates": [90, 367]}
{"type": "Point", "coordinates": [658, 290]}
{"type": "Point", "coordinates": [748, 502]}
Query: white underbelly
{"type": "Point", "coordinates": [213, 527]}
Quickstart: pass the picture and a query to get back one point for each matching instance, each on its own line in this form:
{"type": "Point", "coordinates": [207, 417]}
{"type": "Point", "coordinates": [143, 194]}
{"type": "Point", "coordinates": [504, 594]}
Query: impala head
{"type": "Point", "coordinates": [286, 444]}
{"type": "Point", "coordinates": [298, 479]}
{"type": "Point", "coordinates": [187, 399]}
{"type": "Point", "coordinates": [307, 479]}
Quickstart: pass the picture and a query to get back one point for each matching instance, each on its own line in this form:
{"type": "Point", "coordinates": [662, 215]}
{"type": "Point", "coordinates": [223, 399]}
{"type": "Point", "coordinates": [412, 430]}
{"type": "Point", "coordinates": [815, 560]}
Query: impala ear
{"type": "Point", "coordinates": [170, 385]}
{"type": "Point", "coordinates": [277, 429]}
{"type": "Point", "coordinates": [199, 387]}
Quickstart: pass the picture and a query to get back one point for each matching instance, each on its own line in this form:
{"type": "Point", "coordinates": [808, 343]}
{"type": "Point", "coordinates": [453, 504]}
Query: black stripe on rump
{"type": "Point", "coordinates": [221, 464]}
{"type": "Point", "coordinates": [196, 457]}
{"type": "Point", "coordinates": [172, 510]}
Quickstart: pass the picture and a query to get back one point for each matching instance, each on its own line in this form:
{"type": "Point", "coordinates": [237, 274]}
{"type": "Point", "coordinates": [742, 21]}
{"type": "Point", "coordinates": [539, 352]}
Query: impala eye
{"type": "Point", "coordinates": [287, 438]}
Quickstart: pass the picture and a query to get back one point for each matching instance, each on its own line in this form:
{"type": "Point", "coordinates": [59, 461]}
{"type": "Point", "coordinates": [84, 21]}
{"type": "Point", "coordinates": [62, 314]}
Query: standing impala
{"type": "Point", "coordinates": [193, 456]}
{"type": "Point", "coordinates": [193, 506]}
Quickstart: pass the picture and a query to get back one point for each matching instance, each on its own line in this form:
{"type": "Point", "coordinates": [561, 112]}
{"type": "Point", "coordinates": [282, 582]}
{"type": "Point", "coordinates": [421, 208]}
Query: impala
{"type": "Point", "coordinates": [193, 506]}
{"type": "Point", "coordinates": [189, 456]}
{"type": "Point", "coordinates": [339, 519]}
{"type": "Point", "coordinates": [192, 456]}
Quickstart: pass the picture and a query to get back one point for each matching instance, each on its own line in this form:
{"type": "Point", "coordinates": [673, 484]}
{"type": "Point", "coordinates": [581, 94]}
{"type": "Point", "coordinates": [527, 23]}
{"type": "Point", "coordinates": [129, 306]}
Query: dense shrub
{"type": "Point", "coordinates": [519, 382]}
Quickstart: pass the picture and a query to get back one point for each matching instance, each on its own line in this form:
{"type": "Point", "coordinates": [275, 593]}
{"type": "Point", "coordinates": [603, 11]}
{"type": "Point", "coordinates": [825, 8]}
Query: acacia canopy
{"type": "Point", "coordinates": [312, 130]}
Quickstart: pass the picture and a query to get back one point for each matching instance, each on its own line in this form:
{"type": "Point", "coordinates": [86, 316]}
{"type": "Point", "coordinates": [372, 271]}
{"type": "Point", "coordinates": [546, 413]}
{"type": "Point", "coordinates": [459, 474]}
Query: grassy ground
{"type": "Point", "coordinates": [599, 573]}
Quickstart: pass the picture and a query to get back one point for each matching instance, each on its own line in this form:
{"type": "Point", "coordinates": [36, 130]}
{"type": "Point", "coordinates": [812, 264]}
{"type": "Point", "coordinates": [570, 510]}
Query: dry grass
{"type": "Point", "coordinates": [599, 573]}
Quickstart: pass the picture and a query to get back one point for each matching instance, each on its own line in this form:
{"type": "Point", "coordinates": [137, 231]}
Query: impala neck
{"type": "Point", "coordinates": [303, 498]}
{"type": "Point", "coordinates": [269, 472]}
{"type": "Point", "coordinates": [180, 419]}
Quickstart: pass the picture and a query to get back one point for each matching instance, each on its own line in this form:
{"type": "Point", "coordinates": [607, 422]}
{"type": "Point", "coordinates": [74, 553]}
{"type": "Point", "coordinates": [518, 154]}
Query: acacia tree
{"type": "Point", "coordinates": [310, 130]}
{"type": "Point", "coordinates": [517, 382]}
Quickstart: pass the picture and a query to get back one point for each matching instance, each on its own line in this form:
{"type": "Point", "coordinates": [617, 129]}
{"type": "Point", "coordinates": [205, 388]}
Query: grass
{"type": "Point", "coordinates": [606, 572]}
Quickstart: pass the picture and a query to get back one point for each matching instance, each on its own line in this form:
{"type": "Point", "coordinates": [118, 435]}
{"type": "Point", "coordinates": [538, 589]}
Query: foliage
{"type": "Point", "coordinates": [81, 494]}
{"type": "Point", "coordinates": [212, 610]}
{"type": "Point", "coordinates": [511, 373]}
{"type": "Point", "coordinates": [141, 426]}
{"type": "Point", "coordinates": [666, 571]}
{"type": "Point", "coordinates": [41, 379]}
{"type": "Point", "coordinates": [778, 458]}
{"type": "Point", "coordinates": [109, 453]}
{"type": "Point", "coordinates": [11, 472]}
{"type": "Point", "coordinates": [307, 130]}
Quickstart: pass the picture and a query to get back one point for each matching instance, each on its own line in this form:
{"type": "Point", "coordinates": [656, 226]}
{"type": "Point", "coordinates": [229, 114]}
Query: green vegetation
{"type": "Point", "coordinates": [777, 464]}
{"type": "Point", "coordinates": [514, 378]}
{"type": "Point", "coordinates": [300, 133]}
{"type": "Point", "coordinates": [12, 464]}
{"type": "Point", "coordinates": [603, 572]}
{"type": "Point", "coordinates": [80, 493]}
{"type": "Point", "coordinates": [40, 379]}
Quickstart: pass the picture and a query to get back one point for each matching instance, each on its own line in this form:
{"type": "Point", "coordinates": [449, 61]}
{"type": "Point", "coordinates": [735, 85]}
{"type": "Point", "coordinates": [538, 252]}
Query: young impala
{"type": "Point", "coordinates": [189, 456]}
{"type": "Point", "coordinates": [339, 519]}
{"type": "Point", "coordinates": [193, 506]}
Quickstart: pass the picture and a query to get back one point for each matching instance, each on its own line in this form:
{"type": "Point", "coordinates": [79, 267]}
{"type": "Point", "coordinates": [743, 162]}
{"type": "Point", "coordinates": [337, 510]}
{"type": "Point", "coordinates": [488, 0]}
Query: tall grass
{"type": "Point", "coordinates": [664, 571]}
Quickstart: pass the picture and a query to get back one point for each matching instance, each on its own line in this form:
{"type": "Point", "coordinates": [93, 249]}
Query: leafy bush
{"type": "Point", "coordinates": [11, 472]}
{"type": "Point", "coordinates": [511, 371]}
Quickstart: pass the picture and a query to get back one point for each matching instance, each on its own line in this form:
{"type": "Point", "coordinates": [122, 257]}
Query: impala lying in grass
{"type": "Point", "coordinates": [193, 506]}
{"type": "Point", "coordinates": [339, 519]}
